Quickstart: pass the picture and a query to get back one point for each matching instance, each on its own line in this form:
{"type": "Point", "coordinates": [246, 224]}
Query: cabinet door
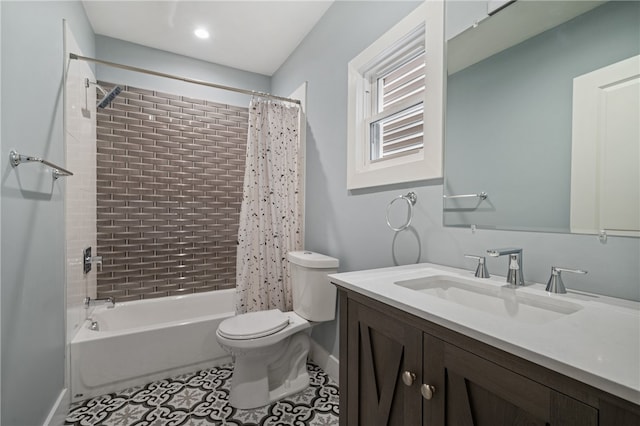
{"type": "Point", "coordinates": [380, 349]}
{"type": "Point", "coordinates": [482, 393]}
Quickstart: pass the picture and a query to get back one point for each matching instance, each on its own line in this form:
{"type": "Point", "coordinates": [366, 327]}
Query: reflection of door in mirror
{"type": "Point", "coordinates": [605, 174]}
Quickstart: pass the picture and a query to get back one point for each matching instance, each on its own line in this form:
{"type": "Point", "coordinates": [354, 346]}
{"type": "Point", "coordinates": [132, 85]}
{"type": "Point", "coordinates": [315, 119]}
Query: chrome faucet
{"type": "Point", "coordinates": [110, 302]}
{"type": "Point", "coordinates": [555, 284]}
{"type": "Point", "coordinates": [515, 276]}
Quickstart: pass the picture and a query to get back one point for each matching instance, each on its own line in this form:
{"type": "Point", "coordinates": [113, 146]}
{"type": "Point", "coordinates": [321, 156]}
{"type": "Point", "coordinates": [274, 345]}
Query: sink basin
{"type": "Point", "coordinates": [501, 301]}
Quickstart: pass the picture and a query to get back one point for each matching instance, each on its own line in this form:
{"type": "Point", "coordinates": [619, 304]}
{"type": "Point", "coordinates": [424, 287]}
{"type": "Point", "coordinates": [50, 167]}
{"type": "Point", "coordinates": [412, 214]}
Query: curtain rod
{"type": "Point", "coordinates": [185, 79]}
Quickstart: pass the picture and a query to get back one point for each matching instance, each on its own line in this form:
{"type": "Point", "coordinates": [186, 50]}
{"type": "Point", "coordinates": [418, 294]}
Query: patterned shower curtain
{"type": "Point", "coordinates": [271, 211]}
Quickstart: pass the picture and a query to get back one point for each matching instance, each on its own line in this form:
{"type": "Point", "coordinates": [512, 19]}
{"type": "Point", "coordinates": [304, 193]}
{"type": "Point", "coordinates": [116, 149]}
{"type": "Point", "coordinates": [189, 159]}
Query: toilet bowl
{"type": "Point", "coordinates": [270, 348]}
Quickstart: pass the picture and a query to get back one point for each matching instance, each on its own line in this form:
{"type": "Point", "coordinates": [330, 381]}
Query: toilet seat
{"type": "Point", "coordinates": [253, 325]}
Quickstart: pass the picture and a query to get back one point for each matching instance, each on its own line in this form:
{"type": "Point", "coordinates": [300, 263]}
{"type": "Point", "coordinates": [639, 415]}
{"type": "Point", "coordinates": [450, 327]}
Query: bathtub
{"type": "Point", "coordinates": [142, 341]}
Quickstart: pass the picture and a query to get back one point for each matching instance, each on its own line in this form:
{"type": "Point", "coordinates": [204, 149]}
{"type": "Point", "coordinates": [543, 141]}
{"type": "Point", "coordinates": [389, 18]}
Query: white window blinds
{"type": "Point", "coordinates": [397, 128]}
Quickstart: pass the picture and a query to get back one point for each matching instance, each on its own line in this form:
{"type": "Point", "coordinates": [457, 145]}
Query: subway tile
{"type": "Point", "coordinates": [141, 103]}
{"type": "Point", "coordinates": [142, 291]}
{"type": "Point", "coordinates": [157, 112]}
{"type": "Point", "coordinates": [180, 291]}
{"type": "Point", "coordinates": [193, 112]}
{"type": "Point", "coordinates": [169, 156]}
{"type": "Point", "coordinates": [164, 170]}
{"type": "Point", "coordinates": [216, 105]}
{"type": "Point", "coordinates": [205, 107]}
{"type": "Point", "coordinates": [167, 95]}
{"type": "Point", "coordinates": [168, 132]}
{"type": "Point", "coordinates": [194, 100]}
{"type": "Point", "coordinates": [154, 136]}
{"type": "Point", "coordinates": [237, 108]}
{"type": "Point", "coordinates": [109, 137]}
{"type": "Point", "coordinates": [138, 90]}
{"type": "Point", "coordinates": [124, 107]}
{"type": "Point", "coordinates": [200, 123]}
{"type": "Point", "coordinates": [178, 126]}
{"type": "Point", "coordinates": [126, 133]}
{"type": "Point", "coordinates": [111, 125]}
{"type": "Point", "coordinates": [217, 140]}
{"type": "Point", "coordinates": [112, 293]}
{"type": "Point", "coordinates": [176, 195]}
{"type": "Point", "coordinates": [156, 99]}
{"type": "Point", "coordinates": [180, 103]}
{"type": "Point", "coordinates": [127, 120]}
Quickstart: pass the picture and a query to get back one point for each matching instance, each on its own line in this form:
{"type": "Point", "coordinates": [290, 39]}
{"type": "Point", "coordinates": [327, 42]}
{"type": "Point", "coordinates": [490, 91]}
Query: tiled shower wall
{"type": "Point", "coordinates": [169, 188]}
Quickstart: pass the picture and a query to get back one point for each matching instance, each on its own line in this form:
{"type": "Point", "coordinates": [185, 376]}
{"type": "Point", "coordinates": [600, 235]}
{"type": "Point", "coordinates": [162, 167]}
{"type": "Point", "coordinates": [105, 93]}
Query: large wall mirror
{"type": "Point", "coordinates": [542, 116]}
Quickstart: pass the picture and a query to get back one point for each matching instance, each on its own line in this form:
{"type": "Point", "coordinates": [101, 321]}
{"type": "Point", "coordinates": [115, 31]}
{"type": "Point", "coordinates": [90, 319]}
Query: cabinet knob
{"type": "Point", "coordinates": [427, 391]}
{"type": "Point", "coordinates": [408, 378]}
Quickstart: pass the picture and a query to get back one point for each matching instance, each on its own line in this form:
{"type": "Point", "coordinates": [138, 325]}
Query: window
{"type": "Point", "coordinates": [393, 85]}
{"type": "Point", "coordinates": [396, 124]}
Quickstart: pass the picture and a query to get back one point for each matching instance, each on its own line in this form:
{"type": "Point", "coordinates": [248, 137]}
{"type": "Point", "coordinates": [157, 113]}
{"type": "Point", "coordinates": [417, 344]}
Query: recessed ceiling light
{"type": "Point", "coordinates": [201, 33]}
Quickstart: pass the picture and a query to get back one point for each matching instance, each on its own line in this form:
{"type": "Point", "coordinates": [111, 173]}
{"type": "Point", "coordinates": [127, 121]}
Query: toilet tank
{"type": "Point", "coordinates": [314, 297]}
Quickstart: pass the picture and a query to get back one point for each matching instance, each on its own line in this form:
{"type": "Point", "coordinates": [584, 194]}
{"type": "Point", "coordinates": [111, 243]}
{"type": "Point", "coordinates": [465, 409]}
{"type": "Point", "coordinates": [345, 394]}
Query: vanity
{"type": "Point", "coordinates": [432, 345]}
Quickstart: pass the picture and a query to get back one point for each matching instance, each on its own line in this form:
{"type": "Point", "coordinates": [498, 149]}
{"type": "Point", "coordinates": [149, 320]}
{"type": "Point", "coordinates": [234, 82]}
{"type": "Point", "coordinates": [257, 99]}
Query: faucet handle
{"type": "Point", "coordinates": [557, 270]}
{"type": "Point", "coordinates": [481, 269]}
{"type": "Point", "coordinates": [555, 284]}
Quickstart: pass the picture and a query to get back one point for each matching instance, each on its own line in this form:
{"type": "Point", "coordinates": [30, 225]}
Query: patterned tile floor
{"type": "Point", "coordinates": [202, 399]}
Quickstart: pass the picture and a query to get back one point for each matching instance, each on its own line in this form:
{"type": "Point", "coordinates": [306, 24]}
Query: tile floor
{"type": "Point", "coordinates": [202, 399]}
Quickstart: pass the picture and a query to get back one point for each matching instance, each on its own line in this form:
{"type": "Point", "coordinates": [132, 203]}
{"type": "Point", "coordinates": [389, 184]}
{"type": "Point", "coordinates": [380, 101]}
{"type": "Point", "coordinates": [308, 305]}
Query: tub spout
{"type": "Point", "coordinates": [110, 302]}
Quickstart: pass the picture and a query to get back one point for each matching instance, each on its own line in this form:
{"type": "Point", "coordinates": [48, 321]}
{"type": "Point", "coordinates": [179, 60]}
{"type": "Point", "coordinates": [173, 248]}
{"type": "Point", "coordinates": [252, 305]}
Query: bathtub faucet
{"type": "Point", "coordinates": [109, 301]}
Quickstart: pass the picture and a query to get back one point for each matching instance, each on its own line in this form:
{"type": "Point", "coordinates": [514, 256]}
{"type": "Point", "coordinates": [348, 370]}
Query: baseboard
{"type": "Point", "coordinates": [329, 363]}
{"type": "Point", "coordinates": [59, 411]}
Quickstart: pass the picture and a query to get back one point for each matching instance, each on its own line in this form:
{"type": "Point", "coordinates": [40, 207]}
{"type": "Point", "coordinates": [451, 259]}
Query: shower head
{"type": "Point", "coordinates": [108, 97]}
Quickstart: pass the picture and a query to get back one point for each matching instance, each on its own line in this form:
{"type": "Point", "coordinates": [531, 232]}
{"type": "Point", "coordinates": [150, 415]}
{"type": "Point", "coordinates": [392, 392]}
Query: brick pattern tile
{"type": "Point", "coordinates": [169, 188]}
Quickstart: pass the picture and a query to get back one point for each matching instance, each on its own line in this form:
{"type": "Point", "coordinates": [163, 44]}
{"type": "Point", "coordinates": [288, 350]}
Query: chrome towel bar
{"type": "Point", "coordinates": [17, 159]}
{"type": "Point", "coordinates": [482, 196]}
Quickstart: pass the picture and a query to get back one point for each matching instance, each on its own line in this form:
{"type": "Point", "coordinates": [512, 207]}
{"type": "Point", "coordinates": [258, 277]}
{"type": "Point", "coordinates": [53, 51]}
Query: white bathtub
{"type": "Point", "coordinates": [143, 341]}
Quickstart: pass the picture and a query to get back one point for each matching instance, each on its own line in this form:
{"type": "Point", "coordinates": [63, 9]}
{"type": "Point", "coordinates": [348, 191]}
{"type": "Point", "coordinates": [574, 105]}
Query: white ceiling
{"type": "Point", "coordinates": [255, 36]}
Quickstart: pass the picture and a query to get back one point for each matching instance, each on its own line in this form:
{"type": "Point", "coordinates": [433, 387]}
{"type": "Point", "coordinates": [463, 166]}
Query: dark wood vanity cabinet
{"type": "Point", "coordinates": [397, 369]}
{"type": "Point", "coordinates": [480, 392]}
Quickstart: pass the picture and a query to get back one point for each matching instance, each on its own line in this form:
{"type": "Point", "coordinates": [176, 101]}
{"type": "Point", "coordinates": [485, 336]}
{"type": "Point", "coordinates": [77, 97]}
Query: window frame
{"type": "Point", "coordinates": [423, 25]}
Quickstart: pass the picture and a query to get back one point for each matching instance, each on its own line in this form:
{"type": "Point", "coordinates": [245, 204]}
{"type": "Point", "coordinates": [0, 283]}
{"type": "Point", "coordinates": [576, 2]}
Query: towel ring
{"type": "Point", "coordinates": [411, 199]}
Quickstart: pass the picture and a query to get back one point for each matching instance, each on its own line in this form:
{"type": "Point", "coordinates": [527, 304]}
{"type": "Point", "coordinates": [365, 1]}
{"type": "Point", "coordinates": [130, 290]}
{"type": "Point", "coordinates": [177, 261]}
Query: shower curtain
{"type": "Point", "coordinates": [271, 212]}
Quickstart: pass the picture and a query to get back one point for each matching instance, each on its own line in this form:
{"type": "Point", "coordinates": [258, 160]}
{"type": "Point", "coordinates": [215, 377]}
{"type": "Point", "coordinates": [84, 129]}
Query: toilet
{"type": "Point", "coordinates": [270, 348]}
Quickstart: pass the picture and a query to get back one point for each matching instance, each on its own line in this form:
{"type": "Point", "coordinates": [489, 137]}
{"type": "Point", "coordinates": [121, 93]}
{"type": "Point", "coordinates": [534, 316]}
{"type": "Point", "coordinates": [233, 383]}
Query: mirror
{"type": "Point", "coordinates": [510, 121]}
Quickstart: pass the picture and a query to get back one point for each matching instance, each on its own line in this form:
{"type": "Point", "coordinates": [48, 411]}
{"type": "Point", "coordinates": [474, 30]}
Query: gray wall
{"type": "Point", "coordinates": [122, 52]}
{"type": "Point", "coordinates": [351, 225]}
{"type": "Point", "coordinates": [509, 121]}
{"type": "Point", "coordinates": [33, 282]}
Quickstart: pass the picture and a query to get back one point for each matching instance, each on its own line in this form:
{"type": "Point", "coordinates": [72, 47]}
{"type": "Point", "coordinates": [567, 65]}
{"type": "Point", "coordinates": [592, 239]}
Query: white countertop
{"type": "Point", "coordinates": [598, 344]}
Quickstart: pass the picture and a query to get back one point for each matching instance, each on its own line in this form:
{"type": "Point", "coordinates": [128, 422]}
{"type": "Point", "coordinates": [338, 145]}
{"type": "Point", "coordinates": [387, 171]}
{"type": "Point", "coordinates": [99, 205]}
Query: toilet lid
{"type": "Point", "coordinates": [253, 324]}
